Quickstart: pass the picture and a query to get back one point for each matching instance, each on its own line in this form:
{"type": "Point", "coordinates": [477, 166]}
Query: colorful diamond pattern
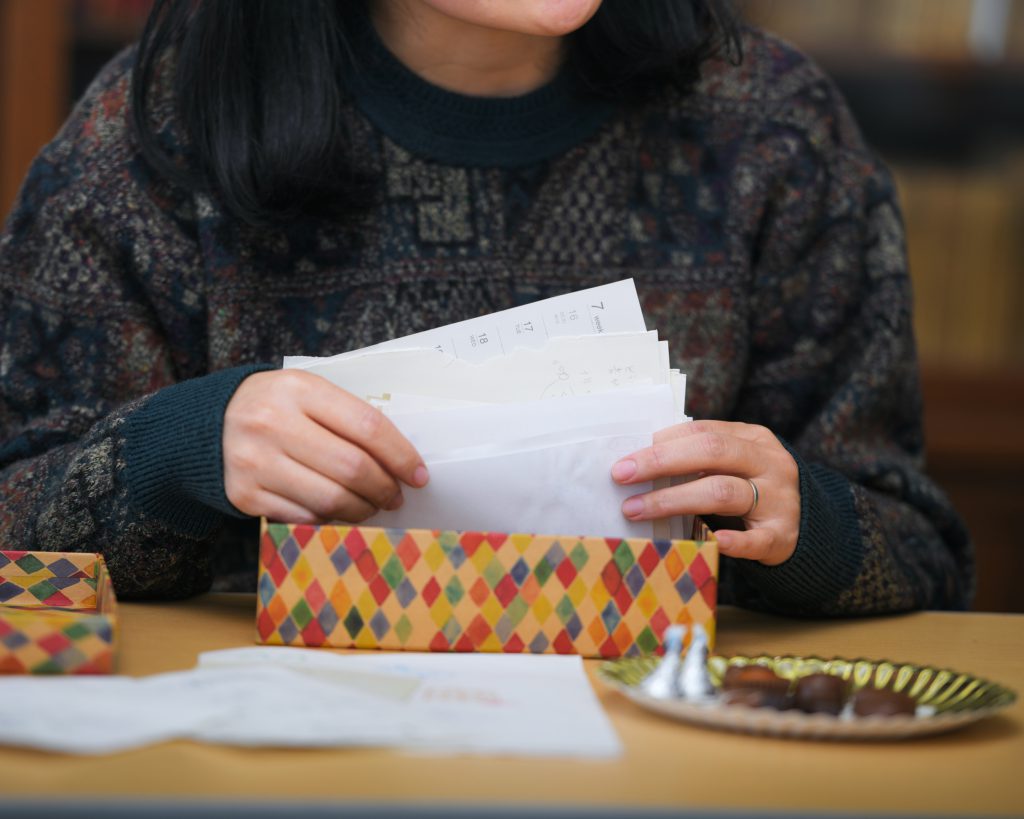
{"type": "Point", "coordinates": [479, 591]}
{"type": "Point", "coordinates": [57, 613]}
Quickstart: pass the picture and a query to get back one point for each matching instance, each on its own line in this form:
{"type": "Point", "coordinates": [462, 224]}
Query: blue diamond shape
{"type": "Point", "coordinates": [686, 587]}
{"type": "Point", "coordinates": [14, 640]}
{"type": "Point", "coordinates": [327, 618]}
{"type": "Point", "coordinates": [555, 555]}
{"type": "Point", "coordinates": [635, 579]}
{"type": "Point", "coordinates": [7, 591]}
{"type": "Point", "coordinates": [289, 552]}
{"type": "Point", "coordinates": [520, 571]}
{"type": "Point", "coordinates": [379, 624]}
{"type": "Point", "coordinates": [4, 560]}
{"type": "Point", "coordinates": [610, 616]}
{"type": "Point", "coordinates": [539, 643]}
{"type": "Point", "coordinates": [63, 567]}
{"type": "Point", "coordinates": [266, 588]}
{"type": "Point", "coordinates": [574, 626]}
{"type": "Point", "coordinates": [406, 592]}
{"type": "Point", "coordinates": [340, 559]}
{"type": "Point", "coordinates": [288, 630]}
{"type": "Point", "coordinates": [457, 556]}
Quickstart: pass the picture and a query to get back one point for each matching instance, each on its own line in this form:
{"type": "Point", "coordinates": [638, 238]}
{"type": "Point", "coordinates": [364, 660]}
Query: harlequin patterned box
{"type": "Point", "coordinates": [57, 613]}
{"type": "Point", "coordinates": [365, 587]}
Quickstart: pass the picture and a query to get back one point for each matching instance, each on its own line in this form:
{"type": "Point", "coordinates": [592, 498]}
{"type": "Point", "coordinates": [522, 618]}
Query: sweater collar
{"type": "Point", "coordinates": [459, 129]}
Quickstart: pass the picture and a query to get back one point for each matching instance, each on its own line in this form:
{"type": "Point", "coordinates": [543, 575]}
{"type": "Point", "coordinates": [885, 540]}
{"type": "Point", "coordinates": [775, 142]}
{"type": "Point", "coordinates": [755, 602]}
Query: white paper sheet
{"type": "Point", "coordinates": [608, 308]}
{"type": "Point", "coordinates": [285, 697]}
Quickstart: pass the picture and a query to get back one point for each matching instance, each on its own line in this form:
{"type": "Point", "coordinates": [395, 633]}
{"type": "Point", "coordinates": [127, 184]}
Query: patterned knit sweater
{"type": "Point", "coordinates": [764, 239]}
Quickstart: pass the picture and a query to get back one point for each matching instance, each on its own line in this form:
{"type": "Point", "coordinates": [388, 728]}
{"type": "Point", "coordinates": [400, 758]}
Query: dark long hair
{"type": "Point", "coordinates": [259, 88]}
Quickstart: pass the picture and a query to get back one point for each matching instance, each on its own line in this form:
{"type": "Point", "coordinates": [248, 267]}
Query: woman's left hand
{"type": "Point", "coordinates": [728, 459]}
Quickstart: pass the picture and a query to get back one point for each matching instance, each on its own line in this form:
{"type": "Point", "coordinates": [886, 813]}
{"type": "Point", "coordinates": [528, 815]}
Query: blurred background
{"type": "Point", "coordinates": [938, 88]}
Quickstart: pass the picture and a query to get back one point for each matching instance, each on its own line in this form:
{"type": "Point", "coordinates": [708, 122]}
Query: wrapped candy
{"type": "Point", "coordinates": [694, 679]}
{"type": "Point", "coordinates": [664, 681]}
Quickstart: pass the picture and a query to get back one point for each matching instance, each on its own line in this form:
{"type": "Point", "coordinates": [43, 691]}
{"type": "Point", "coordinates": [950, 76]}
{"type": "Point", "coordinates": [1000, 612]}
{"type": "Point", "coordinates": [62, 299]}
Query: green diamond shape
{"type": "Point", "coordinates": [542, 571]}
{"type": "Point", "coordinates": [30, 564]}
{"type": "Point", "coordinates": [516, 610]}
{"type": "Point", "coordinates": [76, 631]}
{"type": "Point", "coordinates": [451, 630]}
{"type": "Point", "coordinates": [579, 556]}
{"type": "Point", "coordinates": [623, 557]}
{"type": "Point", "coordinates": [302, 614]}
{"type": "Point", "coordinates": [403, 628]}
{"type": "Point", "coordinates": [454, 591]}
{"type": "Point", "coordinates": [393, 571]}
{"type": "Point", "coordinates": [278, 532]}
{"type": "Point", "coordinates": [564, 609]}
{"type": "Point", "coordinates": [647, 641]}
{"type": "Point", "coordinates": [353, 622]}
{"type": "Point", "coordinates": [42, 589]}
{"type": "Point", "coordinates": [494, 572]}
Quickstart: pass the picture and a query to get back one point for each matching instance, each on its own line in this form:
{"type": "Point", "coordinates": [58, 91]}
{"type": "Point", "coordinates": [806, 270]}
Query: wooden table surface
{"type": "Point", "coordinates": [977, 770]}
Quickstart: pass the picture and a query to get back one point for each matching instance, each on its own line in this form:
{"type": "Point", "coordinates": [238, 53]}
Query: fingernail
{"type": "Point", "coordinates": [624, 470]}
{"type": "Point", "coordinates": [632, 506]}
{"type": "Point", "coordinates": [420, 476]}
{"type": "Point", "coordinates": [395, 503]}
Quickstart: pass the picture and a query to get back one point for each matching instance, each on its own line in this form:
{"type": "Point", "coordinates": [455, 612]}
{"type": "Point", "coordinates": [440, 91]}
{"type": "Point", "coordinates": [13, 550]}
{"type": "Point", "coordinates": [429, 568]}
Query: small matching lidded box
{"type": "Point", "coordinates": [57, 613]}
{"type": "Point", "coordinates": [430, 590]}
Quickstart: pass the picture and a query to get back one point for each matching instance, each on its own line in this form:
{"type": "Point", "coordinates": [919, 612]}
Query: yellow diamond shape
{"type": "Point", "coordinates": [647, 601]}
{"type": "Point", "coordinates": [381, 548]}
{"type": "Point", "coordinates": [491, 610]}
{"type": "Point", "coordinates": [482, 556]}
{"type": "Point", "coordinates": [577, 591]}
{"type": "Point", "coordinates": [599, 594]}
{"type": "Point", "coordinates": [441, 611]}
{"type": "Point", "coordinates": [521, 542]}
{"type": "Point", "coordinates": [301, 573]}
{"type": "Point", "coordinates": [366, 605]}
{"type": "Point", "coordinates": [542, 609]}
{"type": "Point", "coordinates": [434, 555]}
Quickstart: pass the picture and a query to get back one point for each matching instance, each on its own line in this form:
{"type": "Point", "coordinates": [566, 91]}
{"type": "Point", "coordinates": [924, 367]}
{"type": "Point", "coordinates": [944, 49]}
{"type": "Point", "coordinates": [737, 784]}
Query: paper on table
{"type": "Point", "coordinates": [531, 705]}
{"type": "Point", "coordinates": [608, 308]}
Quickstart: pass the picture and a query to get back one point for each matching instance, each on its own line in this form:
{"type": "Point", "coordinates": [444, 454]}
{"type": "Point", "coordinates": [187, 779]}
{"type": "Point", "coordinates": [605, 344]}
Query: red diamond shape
{"type": "Point", "coordinates": [623, 599]}
{"type": "Point", "coordinates": [54, 643]}
{"type": "Point", "coordinates": [302, 532]}
{"type": "Point", "coordinates": [470, 542]}
{"type": "Point", "coordinates": [277, 570]}
{"type": "Point", "coordinates": [514, 645]}
{"type": "Point", "coordinates": [612, 577]}
{"type": "Point", "coordinates": [355, 543]}
{"type": "Point", "coordinates": [506, 591]}
{"type": "Point", "coordinates": [267, 549]}
{"type": "Point", "coordinates": [478, 631]}
{"type": "Point", "coordinates": [57, 600]}
{"type": "Point", "coordinates": [659, 622]}
{"type": "Point", "coordinates": [439, 643]}
{"type": "Point", "coordinates": [609, 649]}
{"type": "Point", "coordinates": [496, 539]}
{"type": "Point", "coordinates": [431, 591]}
{"type": "Point", "coordinates": [380, 589]}
{"type": "Point", "coordinates": [479, 591]}
{"type": "Point", "coordinates": [265, 625]}
{"type": "Point", "coordinates": [709, 591]}
{"type": "Point", "coordinates": [699, 571]}
{"type": "Point", "coordinates": [313, 634]}
{"type": "Point", "coordinates": [367, 565]}
{"type": "Point", "coordinates": [315, 596]}
{"type": "Point", "coordinates": [563, 643]}
{"type": "Point", "coordinates": [566, 572]}
{"type": "Point", "coordinates": [612, 543]}
{"type": "Point", "coordinates": [463, 644]}
{"type": "Point", "coordinates": [408, 552]}
{"type": "Point", "coordinates": [648, 559]}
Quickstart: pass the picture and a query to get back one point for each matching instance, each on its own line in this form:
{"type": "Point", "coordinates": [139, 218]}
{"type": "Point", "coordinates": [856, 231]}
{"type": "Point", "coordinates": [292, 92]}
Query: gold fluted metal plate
{"type": "Point", "coordinates": [946, 699]}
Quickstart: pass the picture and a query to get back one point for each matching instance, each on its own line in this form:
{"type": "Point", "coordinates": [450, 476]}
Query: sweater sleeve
{"type": "Point", "coordinates": [833, 371]}
{"type": "Point", "coordinates": [110, 434]}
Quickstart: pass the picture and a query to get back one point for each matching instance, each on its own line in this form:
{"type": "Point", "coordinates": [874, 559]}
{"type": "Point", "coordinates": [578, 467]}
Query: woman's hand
{"type": "Point", "coordinates": [300, 449]}
{"type": "Point", "coordinates": [729, 460]}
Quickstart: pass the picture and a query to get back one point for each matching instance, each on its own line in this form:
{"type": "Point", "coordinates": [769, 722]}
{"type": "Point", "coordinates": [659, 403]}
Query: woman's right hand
{"type": "Point", "coordinates": [299, 449]}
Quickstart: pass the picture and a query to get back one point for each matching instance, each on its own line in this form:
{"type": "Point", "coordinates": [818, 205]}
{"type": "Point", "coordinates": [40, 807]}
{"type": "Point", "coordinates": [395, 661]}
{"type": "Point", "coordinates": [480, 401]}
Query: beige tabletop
{"type": "Point", "coordinates": [666, 765]}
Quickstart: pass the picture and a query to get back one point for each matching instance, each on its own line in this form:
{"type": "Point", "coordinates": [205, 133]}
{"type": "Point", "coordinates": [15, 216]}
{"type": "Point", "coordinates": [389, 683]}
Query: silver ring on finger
{"type": "Point", "coordinates": [755, 501]}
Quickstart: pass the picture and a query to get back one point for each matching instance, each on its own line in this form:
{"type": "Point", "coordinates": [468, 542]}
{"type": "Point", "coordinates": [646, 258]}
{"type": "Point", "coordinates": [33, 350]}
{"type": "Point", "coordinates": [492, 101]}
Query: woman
{"type": "Point", "coordinates": [265, 178]}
